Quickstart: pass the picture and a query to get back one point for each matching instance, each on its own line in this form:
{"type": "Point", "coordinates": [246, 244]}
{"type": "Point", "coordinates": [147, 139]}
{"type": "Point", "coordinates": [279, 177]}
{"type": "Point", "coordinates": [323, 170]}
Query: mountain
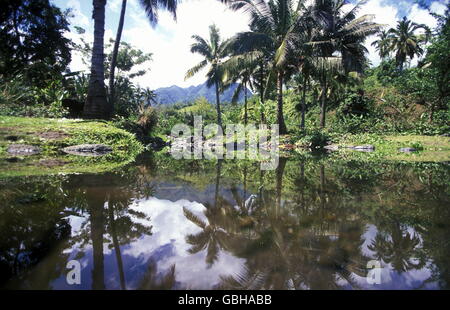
{"type": "Point", "coordinates": [176, 94]}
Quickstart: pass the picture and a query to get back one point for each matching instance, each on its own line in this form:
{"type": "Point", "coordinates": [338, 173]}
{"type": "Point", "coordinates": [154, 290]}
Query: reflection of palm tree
{"type": "Point", "coordinates": [212, 237]}
{"type": "Point", "coordinates": [305, 248]}
{"type": "Point", "coordinates": [115, 240]}
{"type": "Point", "coordinates": [279, 182]}
{"type": "Point", "coordinates": [218, 229]}
{"type": "Point", "coordinates": [118, 219]}
{"type": "Point", "coordinates": [152, 281]}
{"type": "Point", "coordinates": [400, 249]}
{"type": "Point", "coordinates": [96, 201]}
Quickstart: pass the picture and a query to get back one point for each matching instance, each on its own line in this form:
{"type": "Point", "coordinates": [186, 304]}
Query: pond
{"type": "Point", "coordinates": [161, 223]}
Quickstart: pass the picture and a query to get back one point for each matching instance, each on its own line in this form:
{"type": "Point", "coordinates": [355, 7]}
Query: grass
{"type": "Point", "coordinates": [51, 135]}
{"type": "Point", "coordinates": [430, 148]}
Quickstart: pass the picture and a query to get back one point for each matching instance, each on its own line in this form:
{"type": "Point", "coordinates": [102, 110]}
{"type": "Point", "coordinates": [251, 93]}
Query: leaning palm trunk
{"type": "Point", "coordinates": [115, 52]}
{"type": "Point", "coordinates": [280, 117]}
{"type": "Point", "coordinates": [219, 116]}
{"type": "Point", "coordinates": [96, 102]}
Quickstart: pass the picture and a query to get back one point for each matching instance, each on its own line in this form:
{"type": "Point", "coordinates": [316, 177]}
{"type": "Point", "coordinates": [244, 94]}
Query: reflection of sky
{"type": "Point", "coordinates": [166, 246]}
{"type": "Point", "coordinates": [391, 279]}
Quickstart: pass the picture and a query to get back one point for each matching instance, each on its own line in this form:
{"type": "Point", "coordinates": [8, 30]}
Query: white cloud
{"type": "Point", "coordinates": [385, 15]}
{"type": "Point", "coordinates": [170, 42]}
{"type": "Point", "coordinates": [114, 5]}
{"type": "Point", "coordinates": [389, 14]}
{"type": "Point", "coordinates": [422, 16]}
{"type": "Point", "coordinates": [438, 8]}
{"type": "Point", "coordinates": [79, 18]}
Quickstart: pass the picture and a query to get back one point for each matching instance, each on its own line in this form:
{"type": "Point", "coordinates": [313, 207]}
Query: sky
{"type": "Point", "coordinates": [170, 41]}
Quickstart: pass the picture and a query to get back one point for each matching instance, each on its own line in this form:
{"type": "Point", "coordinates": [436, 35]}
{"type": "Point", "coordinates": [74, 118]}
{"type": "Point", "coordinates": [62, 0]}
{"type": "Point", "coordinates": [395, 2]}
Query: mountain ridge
{"type": "Point", "coordinates": [176, 94]}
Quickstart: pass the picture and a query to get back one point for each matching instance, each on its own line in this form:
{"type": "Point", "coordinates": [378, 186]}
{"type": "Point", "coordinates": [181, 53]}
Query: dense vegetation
{"type": "Point", "coordinates": [305, 63]}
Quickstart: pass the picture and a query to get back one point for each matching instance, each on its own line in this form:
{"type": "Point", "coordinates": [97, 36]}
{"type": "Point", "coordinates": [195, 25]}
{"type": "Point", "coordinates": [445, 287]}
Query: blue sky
{"type": "Point", "coordinates": [170, 41]}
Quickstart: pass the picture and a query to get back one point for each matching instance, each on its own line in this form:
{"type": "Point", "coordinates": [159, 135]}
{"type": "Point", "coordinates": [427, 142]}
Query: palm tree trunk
{"type": "Point", "coordinates": [302, 124]}
{"type": "Point", "coordinates": [261, 93]}
{"type": "Point", "coordinates": [115, 52]}
{"type": "Point", "coordinates": [431, 117]}
{"type": "Point", "coordinates": [245, 104]}
{"type": "Point", "coordinates": [96, 102]}
{"type": "Point", "coordinates": [280, 117]}
{"type": "Point", "coordinates": [323, 105]}
{"type": "Point", "coordinates": [219, 114]}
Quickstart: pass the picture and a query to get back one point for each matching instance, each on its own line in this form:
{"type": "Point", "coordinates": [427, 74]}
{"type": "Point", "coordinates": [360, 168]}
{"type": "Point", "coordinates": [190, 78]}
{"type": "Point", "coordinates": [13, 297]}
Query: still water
{"type": "Point", "coordinates": [166, 224]}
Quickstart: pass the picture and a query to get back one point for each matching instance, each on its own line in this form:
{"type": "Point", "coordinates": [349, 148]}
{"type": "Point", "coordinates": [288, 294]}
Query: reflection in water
{"type": "Point", "coordinates": [165, 224]}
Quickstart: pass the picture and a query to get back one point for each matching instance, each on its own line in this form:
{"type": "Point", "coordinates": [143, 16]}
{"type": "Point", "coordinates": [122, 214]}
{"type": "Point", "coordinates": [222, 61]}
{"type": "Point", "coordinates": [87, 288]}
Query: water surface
{"type": "Point", "coordinates": [166, 224]}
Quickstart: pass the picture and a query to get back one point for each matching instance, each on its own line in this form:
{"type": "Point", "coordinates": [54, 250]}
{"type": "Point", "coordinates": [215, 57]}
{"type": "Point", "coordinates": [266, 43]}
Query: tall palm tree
{"type": "Point", "coordinates": [273, 25]}
{"type": "Point", "coordinates": [405, 42]}
{"type": "Point", "coordinates": [339, 41]}
{"type": "Point", "coordinates": [97, 105]}
{"type": "Point", "coordinates": [214, 51]}
{"type": "Point", "coordinates": [382, 44]}
{"type": "Point", "coordinates": [238, 70]}
{"type": "Point", "coordinates": [151, 8]}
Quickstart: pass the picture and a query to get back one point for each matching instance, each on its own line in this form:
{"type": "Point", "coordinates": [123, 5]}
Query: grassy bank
{"type": "Point", "coordinates": [429, 148]}
{"type": "Point", "coordinates": [51, 135]}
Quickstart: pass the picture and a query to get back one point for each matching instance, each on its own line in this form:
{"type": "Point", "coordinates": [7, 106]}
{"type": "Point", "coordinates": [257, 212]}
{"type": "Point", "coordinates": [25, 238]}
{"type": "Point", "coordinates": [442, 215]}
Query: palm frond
{"type": "Point", "coordinates": [151, 9]}
{"type": "Point", "coordinates": [194, 70]}
{"type": "Point", "coordinates": [194, 218]}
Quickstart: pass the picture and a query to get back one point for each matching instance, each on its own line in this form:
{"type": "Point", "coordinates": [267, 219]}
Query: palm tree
{"type": "Point", "coordinates": [339, 41]}
{"type": "Point", "coordinates": [151, 8]}
{"type": "Point", "coordinates": [273, 26]}
{"type": "Point", "coordinates": [97, 105]}
{"type": "Point", "coordinates": [153, 280]}
{"type": "Point", "coordinates": [405, 42]}
{"type": "Point", "coordinates": [382, 44]}
{"type": "Point", "coordinates": [238, 70]}
{"type": "Point", "coordinates": [214, 51]}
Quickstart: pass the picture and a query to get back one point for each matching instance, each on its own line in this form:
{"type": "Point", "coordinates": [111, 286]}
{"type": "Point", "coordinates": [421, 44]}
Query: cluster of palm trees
{"type": "Point", "coordinates": [404, 41]}
{"type": "Point", "coordinates": [317, 39]}
{"type": "Point", "coordinates": [318, 42]}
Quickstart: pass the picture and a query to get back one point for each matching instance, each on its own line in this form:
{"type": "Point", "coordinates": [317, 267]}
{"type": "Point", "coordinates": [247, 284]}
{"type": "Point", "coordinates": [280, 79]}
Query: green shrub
{"type": "Point", "coordinates": [19, 99]}
{"type": "Point", "coordinates": [147, 119]}
{"type": "Point", "coordinates": [316, 139]}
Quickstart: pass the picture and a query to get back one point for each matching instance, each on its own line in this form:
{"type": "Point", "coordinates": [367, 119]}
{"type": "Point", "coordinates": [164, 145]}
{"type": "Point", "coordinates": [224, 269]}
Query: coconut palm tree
{"type": "Point", "coordinates": [151, 9]}
{"type": "Point", "coordinates": [97, 105]}
{"type": "Point", "coordinates": [382, 44]}
{"type": "Point", "coordinates": [339, 41]}
{"type": "Point", "coordinates": [273, 25]}
{"type": "Point", "coordinates": [214, 51]}
{"type": "Point", "coordinates": [406, 42]}
{"type": "Point", "coordinates": [239, 70]}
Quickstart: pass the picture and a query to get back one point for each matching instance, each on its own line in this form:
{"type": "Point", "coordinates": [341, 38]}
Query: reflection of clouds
{"type": "Point", "coordinates": [167, 244]}
{"type": "Point", "coordinates": [391, 279]}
